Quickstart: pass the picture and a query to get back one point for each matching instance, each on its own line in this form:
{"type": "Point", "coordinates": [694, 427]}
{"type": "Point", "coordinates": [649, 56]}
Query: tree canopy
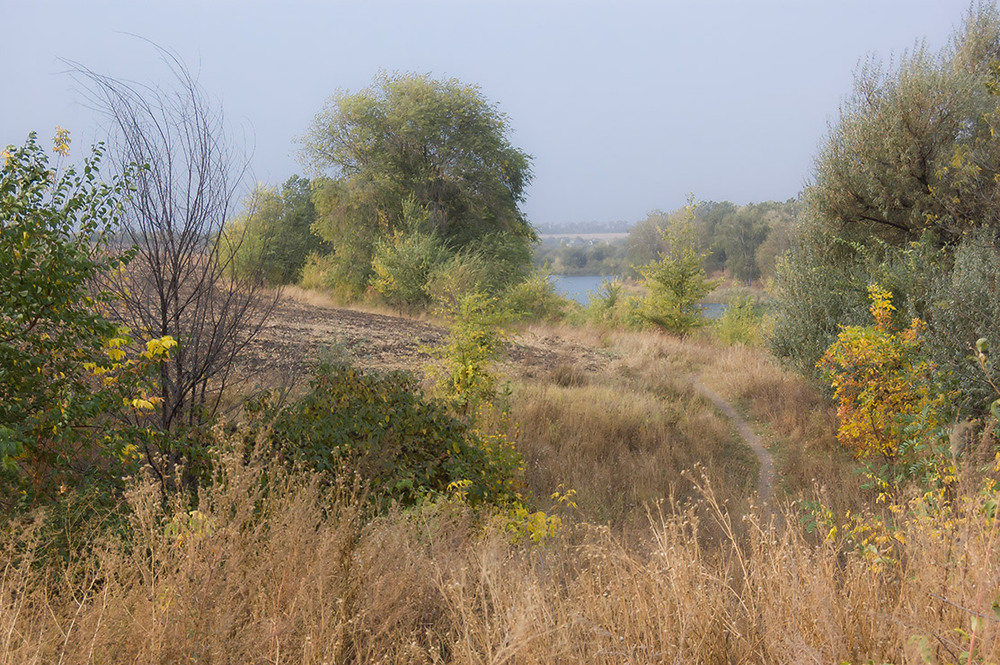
{"type": "Point", "coordinates": [905, 196]}
{"type": "Point", "coordinates": [437, 143]}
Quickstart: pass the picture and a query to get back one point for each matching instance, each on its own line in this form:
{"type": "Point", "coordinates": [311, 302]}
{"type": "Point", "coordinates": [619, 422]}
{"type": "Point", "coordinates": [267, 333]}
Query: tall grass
{"type": "Point", "coordinates": [272, 568]}
{"type": "Point", "coordinates": [656, 565]}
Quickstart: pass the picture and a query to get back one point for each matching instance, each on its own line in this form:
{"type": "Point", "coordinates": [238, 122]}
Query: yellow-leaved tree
{"type": "Point", "coordinates": [881, 382]}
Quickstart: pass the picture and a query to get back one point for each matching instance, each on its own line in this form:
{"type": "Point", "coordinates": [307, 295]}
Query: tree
{"type": "Point", "coordinates": [676, 283]}
{"type": "Point", "coordinates": [914, 148]}
{"type": "Point", "coordinates": [66, 385]}
{"type": "Point", "coordinates": [439, 142]}
{"type": "Point", "coordinates": [181, 282]}
{"type": "Point", "coordinates": [645, 239]}
{"type": "Point", "coordinates": [275, 232]}
{"type": "Point", "coordinates": [909, 175]}
{"type": "Point", "coordinates": [742, 232]}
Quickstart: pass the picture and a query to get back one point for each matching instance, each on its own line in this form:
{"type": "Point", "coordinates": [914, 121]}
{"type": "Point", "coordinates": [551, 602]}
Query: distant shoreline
{"type": "Point", "coordinates": [584, 236]}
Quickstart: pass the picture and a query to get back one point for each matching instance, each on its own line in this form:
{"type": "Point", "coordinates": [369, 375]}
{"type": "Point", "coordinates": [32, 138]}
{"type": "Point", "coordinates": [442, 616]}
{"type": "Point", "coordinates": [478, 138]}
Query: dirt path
{"type": "Point", "coordinates": [765, 483]}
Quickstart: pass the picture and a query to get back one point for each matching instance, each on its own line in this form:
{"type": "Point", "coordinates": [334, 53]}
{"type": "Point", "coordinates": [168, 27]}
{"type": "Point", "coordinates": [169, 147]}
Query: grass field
{"type": "Point", "coordinates": [665, 558]}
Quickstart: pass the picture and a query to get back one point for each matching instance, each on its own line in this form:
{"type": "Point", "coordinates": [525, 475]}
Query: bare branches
{"type": "Point", "coordinates": [179, 283]}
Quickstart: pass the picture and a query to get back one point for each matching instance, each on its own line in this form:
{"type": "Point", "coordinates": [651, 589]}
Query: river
{"type": "Point", "coordinates": [580, 288]}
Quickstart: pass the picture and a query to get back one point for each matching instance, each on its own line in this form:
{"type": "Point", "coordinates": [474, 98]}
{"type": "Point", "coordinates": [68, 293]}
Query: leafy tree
{"type": "Point", "coordinates": [645, 239]}
{"type": "Point", "coordinates": [677, 283]}
{"type": "Point", "coordinates": [742, 233]}
{"type": "Point", "coordinates": [67, 386]}
{"type": "Point", "coordinates": [275, 234]}
{"type": "Point", "coordinates": [909, 174]}
{"type": "Point", "coordinates": [914, 148]}
{"type": "Point", "coordinates": [440, 143]}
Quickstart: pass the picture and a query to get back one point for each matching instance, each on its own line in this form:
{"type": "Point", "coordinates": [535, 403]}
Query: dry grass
{"type": "Point", "coordinates": [655, 566]}
{"type": "Point", "coordinates": [275, 570]}
{"type": "Point", "coordinates": [799, 422]}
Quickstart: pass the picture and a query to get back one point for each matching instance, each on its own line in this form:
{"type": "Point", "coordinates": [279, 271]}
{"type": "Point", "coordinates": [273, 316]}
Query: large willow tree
{"type": "Point", "coordinates": [414, 139]}
{"type": "Point", "coordinates": [905, 194]}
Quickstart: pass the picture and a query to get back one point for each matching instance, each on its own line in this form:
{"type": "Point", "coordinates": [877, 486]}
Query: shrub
{"type": "Point", "coordinates": [613, 306]}
{"type": "Point", "coordinates": [71, 399]}
{"type": "Point", "coordinates": [883, 384]}
{"type": "Point", "coordinates": [964, 306]}
{"type": "Point", "coordinates": [535, 299]}
{"type": "Point", "coordinates": [741, 322]}
{"type": "Point", "coordinates": [676, 283]}
{"type": "Point", "coordinates": [473, 345]}
{"type": "Point", "coordinates": [403, 445]}
{"type": "Point", "coordinates": [403, 263]}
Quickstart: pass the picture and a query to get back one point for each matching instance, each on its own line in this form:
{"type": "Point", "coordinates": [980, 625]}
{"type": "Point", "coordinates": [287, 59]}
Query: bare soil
{"type": "Point", "coordinates": [299, 334]}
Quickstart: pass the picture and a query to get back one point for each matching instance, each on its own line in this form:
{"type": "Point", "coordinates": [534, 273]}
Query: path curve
{"type": "Point", "coordinates": [765, 482]}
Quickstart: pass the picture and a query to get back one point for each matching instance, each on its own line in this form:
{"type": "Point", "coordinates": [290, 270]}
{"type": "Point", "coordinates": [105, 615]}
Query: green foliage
{"type": "Point", "coordinates": [404, 446]}
{"type": "Point", "coordinates": [567, 256]}
{"type": "Point", "coordinates": [404, 262]}
{"type": "Point", "coordinates": [69, 395]}
{"type": "Point", "coordinates": [438, 143]}
{"type": "Point", "coordinates": [905, 196]}
{"type": "Point", "coordinates": [611, 306]}
{"type": "Point", "coordinates": [964, 305]}
{"type": "Point", "coordinates": [535, 299]}
{"type": "Point", "coordinates": [472, 348]}
{"type": "Point", "coordinates": [274, 237]}
{"type": "Point", "coordinates": [464, 273]}
{"type": "Point", "coordinates": [741, 322]}
{"type": "Point", "coordinates": [914, 147]}
{"type": "Point", "coordinates": [742, 233]}
{"type": "Point", "coordinates": [676, 283]}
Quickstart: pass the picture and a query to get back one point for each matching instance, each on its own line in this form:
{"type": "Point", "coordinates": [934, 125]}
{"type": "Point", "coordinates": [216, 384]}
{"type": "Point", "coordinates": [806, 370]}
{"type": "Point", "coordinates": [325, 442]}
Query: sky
{"type": "Point", "coordinates": [625, 107]}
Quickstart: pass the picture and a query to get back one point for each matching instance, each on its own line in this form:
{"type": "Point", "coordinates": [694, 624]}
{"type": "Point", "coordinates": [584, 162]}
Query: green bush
{"type": "Point", "coordinates": [470, 351]}
{"type": "Point", "coordinates": [612, 306]}
{"type": "Point", "coordinates": [70, 396]}
{"type": "Point", "coordinates": [676, 283]}
{"type": "Point", "coordinates": [535, 299]}
{"type": "Point", "coordinates": [965, 306]}
{"type": "Point", "coordinates": [403, 445]}
{"type": "Point", "coordinates": [741, 322]}
{"type": "Point", "coordinates": [466, 272]}
{"type": "Point", "coordinates": [403, 263]}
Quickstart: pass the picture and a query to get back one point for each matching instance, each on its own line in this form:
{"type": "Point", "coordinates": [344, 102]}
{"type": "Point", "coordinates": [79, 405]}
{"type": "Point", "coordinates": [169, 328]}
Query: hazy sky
{"type": "Point", "coordinates": [626, 106]}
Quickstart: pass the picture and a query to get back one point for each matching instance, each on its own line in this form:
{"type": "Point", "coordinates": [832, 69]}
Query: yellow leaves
{"type": "Point", "coordinates": [61, 141]}
{"type": "Point", "coordinates": [536, 526]}
{"type": "Point", "coordinates": [881, 307]}
{"type": "Point", "coordinates": [6, 157]}
{"type": "Point", "coordinates": [878, 378]}
{"type": "Point", "coordinates": [191, 527]}
{"type": "Point", "coordinates": [159, 348]}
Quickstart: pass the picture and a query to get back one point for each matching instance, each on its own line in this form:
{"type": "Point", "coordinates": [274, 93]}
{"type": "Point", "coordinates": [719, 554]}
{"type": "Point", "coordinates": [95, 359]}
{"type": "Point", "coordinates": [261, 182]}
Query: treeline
{"type": "Point", "coordinates": [744, 240]}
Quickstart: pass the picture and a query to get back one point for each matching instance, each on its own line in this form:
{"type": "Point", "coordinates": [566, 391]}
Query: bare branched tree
{"type": "Point", "coordinates": [180, 281]}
